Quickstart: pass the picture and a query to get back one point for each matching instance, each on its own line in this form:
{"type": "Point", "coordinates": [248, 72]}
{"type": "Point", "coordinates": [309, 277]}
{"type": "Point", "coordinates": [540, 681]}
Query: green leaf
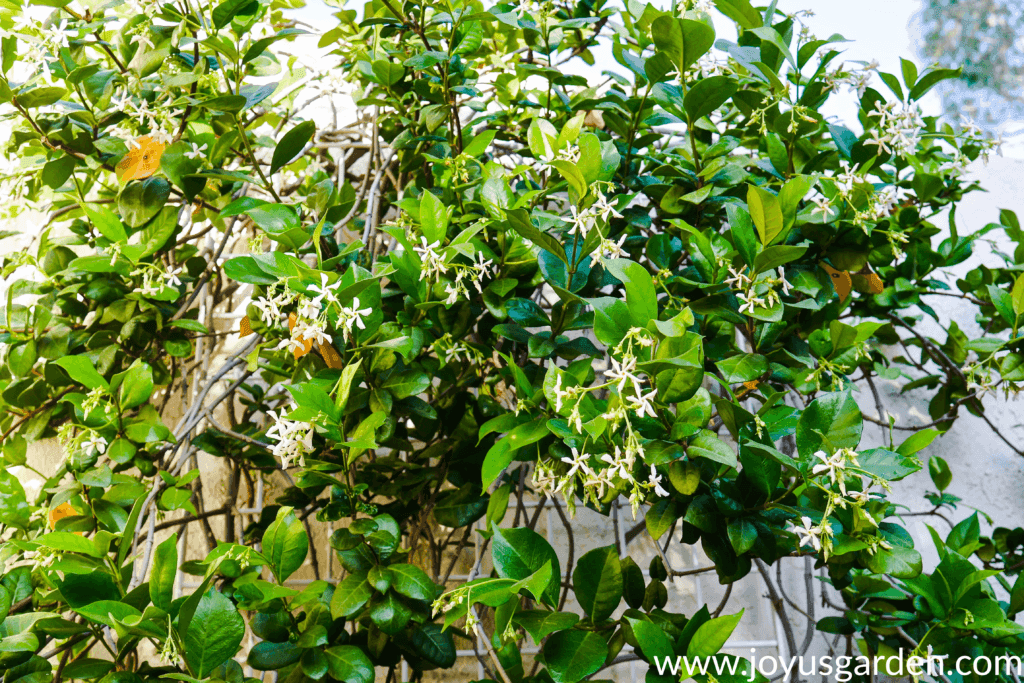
{"type": "Point", "coordinates": [742, 229]}
{"type": "Point", "coordinates": [541, 623]}
{"type": "Point", "coordinates": [229, 9]}
{"type": "Point", "coordinates": [40, 97]}
{"type": "Point", "coordinates": [141, 200]}
{"type": "Point", "coordinates": [214, 634]}
{"type": "Point", "coordinates": [389, 613]}
{"type": "Point", "coordinates": [349, 664]}
{"type": "Point", "coordinates": [708, 95]}
{"type": "Point", "coordinates": [712, 635]}
{"type": "Point", "coordinates": [778, 255]}
{"type": "Point", "coordinates": [387, 73]}
{"type": "Point", "coordinates": [597, 580]}
{"type": "Point", "coordinates": [275, 219]}
{"type": "Point", "coordinates": [641, 296]}
{"type": "Point", "coordinates": [832, 418]}
{"type": "Point", "coordinates": [107, 612]}
{"type": "Point", "coordinates": [68, 542]}
{"type": "Point", "coordinates": [413, 582]}
{"type": "Point", "coordinates": [707, 445]}
{"type": "Point", "coordinates": [266, 656]}
{"type": "Point", "coordinates": [938, 470]}
{"type": "Point", "coordinates": [917, 441]}
{"type": "Point", "coordinates": [137, 385]}
{"type": "Point", "coordinates": [165, 568]}
{"type": "Point", "coordinates": [1017, 295]}
{"type": "Point", "coordinates": [743, 368]}
{"type": "Point", "coordinates": [434, 645]}
{"type": "Point", "coordinates": [1017, 595]}
{"type": "Point", "coordinates": [652, 638]}
{"type": "Point", "coordinates": [765, 212]}
{"type": "Point", "coordinates": [57, 171]}
{"type": "Point", "coordinates": [285, 543]}
{"type": "Point", "coordinates": [407, 383]}
{"type": "Point", "coordinates": [684, 41]}
{"type": "Point", "coordinates": [571, 656]}
{"type": "Point", "coordinates": [519, 553]}
{"type": "Point", "coordinates": [930, 79]}
{"type": "Point", "coordinates": [501, 453]}
{"type": "Point", "coordinates": [792, 193]}
{"type": "Point", "coordinates": [81, 369]}
{"type": "Point", "coordinates": [520, 221]}
{"type": "Point", "coordinates": [460, 507]}
{"type": "Point", "coordinates": [741, 12]}
{"type": "Point", "coordinates": [14, 507]}
{"type": "Point", "coordinates": [105, 222]}
{"type": "Point", "coordinates": [479, 144]}
{"type": "Point", "coordinates": [541, 136]}
{"type": "Point", "coordinates": [742, 534]}
{"type": "Point", "coordinates": [291, 145]}
{"type": "Point", "coordinates": [899, 562]}
{"type": "Point", "coordinates": [350, 595]}
{"type": "Point", "coordinates": [259, 46]}
{"type": "Point", "coordinates": [22, 358]}
{"type": "Point", "coordinates": [433, 218]}
{"type": "Point", "coordinates": [660, 517]}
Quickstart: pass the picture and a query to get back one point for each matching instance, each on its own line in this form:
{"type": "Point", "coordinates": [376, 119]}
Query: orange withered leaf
{"type": "Point", "coordinates": [140, 162]}
{"type": "Point", "coordinates": [841, 280]}
{"type": "Point", "coordinates": [307, 343]}
{"type": "Point", "coordinates": [60, 512]}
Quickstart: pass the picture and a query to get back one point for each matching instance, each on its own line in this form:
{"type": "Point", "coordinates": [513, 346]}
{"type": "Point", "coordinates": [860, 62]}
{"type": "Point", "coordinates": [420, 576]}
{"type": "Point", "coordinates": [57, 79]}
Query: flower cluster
{"type": "Point", "coordinates": [856, 79]}
{"type": "Point", "coordinates": [600, 211]}
{"type": "Point", "coordinates": [475, 273]}
{"type": "Point", "coordinates": [293, 439]}
{"type": "Point", "coordinates": [155, 280]}
{"type": "Point", "coordinates": [591, 475]}
{"type": "Point", "coordinates": [759, 293]}
{"type": "Point", "coordinates": [899, 128]}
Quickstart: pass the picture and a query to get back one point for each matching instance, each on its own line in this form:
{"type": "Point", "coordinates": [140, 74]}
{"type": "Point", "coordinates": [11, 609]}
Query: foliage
{"type": "Point", "coordinates": [980, 37]}
{"type": "Point", "coordinates": [662, 288]}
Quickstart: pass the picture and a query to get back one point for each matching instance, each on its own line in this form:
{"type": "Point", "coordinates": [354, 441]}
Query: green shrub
{"type": "Point", "coordinates": [674, 287]}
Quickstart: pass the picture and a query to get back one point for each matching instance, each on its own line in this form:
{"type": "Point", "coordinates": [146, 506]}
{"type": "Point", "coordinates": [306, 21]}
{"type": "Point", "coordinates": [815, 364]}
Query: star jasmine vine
{"type": "Point", "coordinates": [314, 330]}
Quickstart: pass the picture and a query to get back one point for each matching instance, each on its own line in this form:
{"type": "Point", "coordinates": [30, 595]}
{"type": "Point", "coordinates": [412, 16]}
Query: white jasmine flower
{"type": "Point", "coordinates": [610, 249]}
{"type": "Point", "coordinates": [161, 136]}
{"type": "Point", "coordinates": [312, 331]}
{"type": "Point", "coordinates": [623, 373]}
{"type": "Point", "coordinates": [822, 206]}
{"type": "Point", "coordinates": [294, 439]}
{"type": "Point", "coordinates": [750, 302]}
{"type": "Point", "coordinates": [270, 312]}
{"type": "Point", "coordinates": [834, 466]}
{"type": "Point", "coordinates": [655, 481]}
{"type": "Point", "coordinates": [642, 403]}
{"type": "Point", "coordinates": [352, 316]}
{"type": "Point", "coordinates": [432, 262]}
{"type": "Point", "coordinates": [324, 291]}
{"type": "Point", "coordinates": [95, 442]}
{"type": "Point", "coordinates": [808, 534]}
{"type": "Point", "coordinates": [783, 281]}
{"type": "Point", "coordinates": [293, 344]}
{"type": "Point", "coordinates": [737, 278]}
{"type": "Point", "coordinates": [619, 466]}
{"type": "Point", "coordinates": [171, 277]}
{"type": "Point", "coordinates": [577, 463]}
{"type": "Point", "coordinates": [308, 308]}
{"type": "Point", "coordinates": [142, 39]}
{"type": "Point", "coordinates": [197, 151]}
